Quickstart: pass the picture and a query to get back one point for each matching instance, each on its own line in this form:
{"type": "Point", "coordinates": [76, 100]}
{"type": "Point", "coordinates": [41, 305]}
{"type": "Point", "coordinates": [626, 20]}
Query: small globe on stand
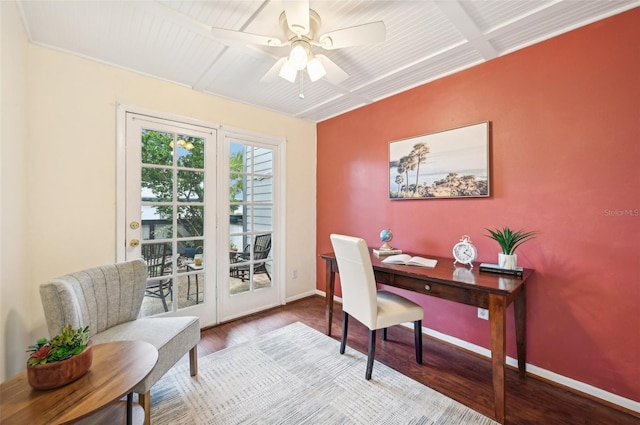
{"type": "Point", "coordinates": [386, 236]}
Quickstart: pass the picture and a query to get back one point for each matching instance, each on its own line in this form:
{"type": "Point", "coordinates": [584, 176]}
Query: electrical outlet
{"type": "Point", "coordinates": [294, 273]}
{"type": "Point", "coordinates": [483, 313]}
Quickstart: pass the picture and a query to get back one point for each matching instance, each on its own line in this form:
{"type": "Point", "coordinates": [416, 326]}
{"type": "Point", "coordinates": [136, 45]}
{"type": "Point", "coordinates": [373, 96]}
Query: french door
{"type": "Point", "coordinates": [202, 206]}
{"type": "Point", "coordinates": [170, 210]}
{"type": "Point", "coordinates": [250, 278]}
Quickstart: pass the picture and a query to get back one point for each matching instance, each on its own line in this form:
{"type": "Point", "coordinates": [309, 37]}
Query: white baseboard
{"type": "Point", "coordinates": [304, 295]}
{"type": "Point", "coordinates": [590, 390]}
{"type": "Point", "coordinates": [538, 371]}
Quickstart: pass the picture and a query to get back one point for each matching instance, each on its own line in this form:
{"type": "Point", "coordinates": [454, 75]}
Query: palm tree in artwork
{"type": "Point", "coordinates": [407, 163]}
{"type": "Point", "coordinates": [419, 152]}
{"type": "Point", "coordinates": [401, 170]}
{"type": "Point", "coordinates": [399, 180]}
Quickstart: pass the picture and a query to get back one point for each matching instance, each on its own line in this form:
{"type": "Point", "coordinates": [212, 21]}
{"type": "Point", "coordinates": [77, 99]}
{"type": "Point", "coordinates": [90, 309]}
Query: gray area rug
{"type": "Point", "coordinates": [296, 375]}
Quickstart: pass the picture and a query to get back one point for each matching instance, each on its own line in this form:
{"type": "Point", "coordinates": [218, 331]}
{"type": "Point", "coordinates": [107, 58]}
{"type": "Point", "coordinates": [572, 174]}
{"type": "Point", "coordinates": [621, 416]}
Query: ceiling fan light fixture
{"type": "Point", "coordinates": [298, 55]}
{"type": "Point", "coordinates": [300, 26]}
{"type": "Point", "coordinates": [315, 69]}
{"type": "Point", "coordinates": [288, 72]}
{"type": "Point", "coordinates": [183, 144]}
{"type": "Point", "coordinates": [325, 42]}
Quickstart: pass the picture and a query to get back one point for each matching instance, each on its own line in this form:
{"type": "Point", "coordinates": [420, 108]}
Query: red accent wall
{"type": "Point", "coordinates": [565, 161]}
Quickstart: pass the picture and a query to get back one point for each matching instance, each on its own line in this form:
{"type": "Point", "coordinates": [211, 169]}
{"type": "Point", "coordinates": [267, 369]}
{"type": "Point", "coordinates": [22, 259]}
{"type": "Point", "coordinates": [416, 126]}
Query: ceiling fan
{"type": "Point", "coordinates": [300, 26]}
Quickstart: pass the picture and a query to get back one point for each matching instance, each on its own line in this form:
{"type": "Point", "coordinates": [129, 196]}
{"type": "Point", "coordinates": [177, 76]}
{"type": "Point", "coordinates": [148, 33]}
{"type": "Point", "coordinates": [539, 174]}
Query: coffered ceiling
{"type": "Point", "coordinates": [425, 40]}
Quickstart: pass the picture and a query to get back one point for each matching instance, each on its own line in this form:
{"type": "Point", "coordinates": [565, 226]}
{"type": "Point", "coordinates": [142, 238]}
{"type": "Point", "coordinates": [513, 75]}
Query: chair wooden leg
{"type": "Point", "coordinates": [193, 360]}
{"type": "Point", "coordinates": [145, 401]}
{"type": "Point", "coordinates": [372, 353]}
{"type": "Point", "coordinates": [417, 332]}
{"type": "Point", "coordinates": [345, 326]}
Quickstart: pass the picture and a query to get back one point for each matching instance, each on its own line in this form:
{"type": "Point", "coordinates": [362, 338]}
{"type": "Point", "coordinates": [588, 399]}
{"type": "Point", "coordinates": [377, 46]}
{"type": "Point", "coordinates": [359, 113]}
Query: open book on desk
{"type": "Point", "coordinates": [408, 260]}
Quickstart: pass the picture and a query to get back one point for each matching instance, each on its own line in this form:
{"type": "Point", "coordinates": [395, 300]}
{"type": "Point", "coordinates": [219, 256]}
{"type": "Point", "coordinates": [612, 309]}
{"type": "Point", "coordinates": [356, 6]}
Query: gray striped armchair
{"type": "Point", "coordinates": [108, 299]}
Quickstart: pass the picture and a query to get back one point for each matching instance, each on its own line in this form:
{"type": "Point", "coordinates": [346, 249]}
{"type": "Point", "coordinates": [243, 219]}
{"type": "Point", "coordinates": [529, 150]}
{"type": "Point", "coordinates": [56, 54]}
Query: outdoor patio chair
{"type": "Point", "coordinates": [159, 263]}
{"type": "Point", "coordinates": [261, 249]}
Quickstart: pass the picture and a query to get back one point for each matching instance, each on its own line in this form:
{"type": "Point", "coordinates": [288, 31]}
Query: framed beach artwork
{"type": "Point", "coordinates": [447, 164]}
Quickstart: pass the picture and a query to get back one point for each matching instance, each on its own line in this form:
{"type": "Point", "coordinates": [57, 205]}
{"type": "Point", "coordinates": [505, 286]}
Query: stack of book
{"type": "Point", "coordinates": [494, 268]}
{"type": "Point", "coordinates": [385, 252]}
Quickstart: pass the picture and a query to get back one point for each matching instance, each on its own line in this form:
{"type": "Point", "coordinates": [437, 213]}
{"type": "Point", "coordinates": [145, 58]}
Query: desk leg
{"type": "Point", "coordinates": [519, 307]}
{"type": "Point", "coordinates": [497, 317]}
{"type": "Point", "coordinates": [329, 288]}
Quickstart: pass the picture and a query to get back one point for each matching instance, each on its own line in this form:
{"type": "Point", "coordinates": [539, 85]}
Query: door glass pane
{"type": "Point", "coordinates": [172, 195]}
{"type": "Point", "coordinates": [195, 290]}
{"type": "Point", "coordinates": [190, 282]}
{"type": "Point", "coordinates": [190, 221]}
{"type": "Point", "coordinates": [156, 147]}
{"type": "Point", "coordinates": [190, 186]}
{"type": "Point", "coordinates": [157, 184]}
{"type": "Point", "coordinates": [190, 152]}
{"type": "Point", "coordinates": [262, 218]}
{"type": "Point", "coordinates": [263, 279]}
{"type": "Point", "coordinates": [157, 222]}
{"type": "Point", "coordinates": [261, 188]}
{"type": "Point", "coordinates": [250, 218]}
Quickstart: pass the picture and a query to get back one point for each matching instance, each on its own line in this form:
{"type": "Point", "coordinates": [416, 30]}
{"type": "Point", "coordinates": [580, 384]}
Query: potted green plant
{"type": "Point", "coordinates": [509, 241]}
{"type": "Point", "coordinates": [60, 360]}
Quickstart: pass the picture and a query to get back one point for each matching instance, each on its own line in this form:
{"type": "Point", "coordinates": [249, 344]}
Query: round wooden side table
{"type": "Point", "coordinates": [116, 369]}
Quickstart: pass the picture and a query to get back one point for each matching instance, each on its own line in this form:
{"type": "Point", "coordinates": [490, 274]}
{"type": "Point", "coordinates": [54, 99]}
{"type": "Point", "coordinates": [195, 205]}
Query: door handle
{"type": "Point", "coordinates": [134, 242]}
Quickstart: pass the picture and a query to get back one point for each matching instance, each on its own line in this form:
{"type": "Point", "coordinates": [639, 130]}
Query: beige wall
{"type": "Point", "coordinates": [15, 307]}
{"type": "Point", "coordinates": [71, 166]}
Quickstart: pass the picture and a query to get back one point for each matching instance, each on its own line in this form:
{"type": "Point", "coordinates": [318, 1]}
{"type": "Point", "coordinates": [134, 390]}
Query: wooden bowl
{"type": "Point", "coordinates": [57, 374]}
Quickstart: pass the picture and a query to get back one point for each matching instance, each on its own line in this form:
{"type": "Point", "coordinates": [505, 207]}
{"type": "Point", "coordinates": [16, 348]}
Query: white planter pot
{"type": "Point", "coordinates": [509, 262]}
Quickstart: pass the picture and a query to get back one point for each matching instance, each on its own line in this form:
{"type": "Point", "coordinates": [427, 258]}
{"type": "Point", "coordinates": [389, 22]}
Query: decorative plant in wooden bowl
{"type": "Point", "coordinates": [60, 360]}
{"type": "Point", "coordinates": [509, 240]}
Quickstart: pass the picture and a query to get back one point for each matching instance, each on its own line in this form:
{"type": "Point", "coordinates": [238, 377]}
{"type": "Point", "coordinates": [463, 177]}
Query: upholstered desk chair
{"type": "Point", "coordinates": [362, 300]}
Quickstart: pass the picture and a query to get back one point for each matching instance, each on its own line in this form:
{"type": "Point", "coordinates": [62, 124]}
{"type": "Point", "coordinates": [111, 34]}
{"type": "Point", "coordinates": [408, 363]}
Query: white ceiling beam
{"type": "Point", "coordinates": [188, 23]}
{"type": "Point", "coordinates": [462, 21]}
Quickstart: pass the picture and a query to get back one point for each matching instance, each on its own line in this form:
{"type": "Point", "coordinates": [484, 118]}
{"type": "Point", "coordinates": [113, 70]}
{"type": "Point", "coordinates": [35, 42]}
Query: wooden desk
{"type": "Point", "coordinates": [116, 369]}
{"type": "Point", "coordinates": [455, 283]}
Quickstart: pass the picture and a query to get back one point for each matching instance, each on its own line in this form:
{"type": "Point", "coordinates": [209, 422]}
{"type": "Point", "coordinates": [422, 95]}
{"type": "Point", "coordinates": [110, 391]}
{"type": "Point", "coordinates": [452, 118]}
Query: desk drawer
{"type": "Point", "coordinates": [469, 296]}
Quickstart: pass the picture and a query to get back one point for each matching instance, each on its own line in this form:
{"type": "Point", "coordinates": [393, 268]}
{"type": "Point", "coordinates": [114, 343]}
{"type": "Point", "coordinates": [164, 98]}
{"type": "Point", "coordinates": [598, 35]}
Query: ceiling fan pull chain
{"type": "Point", "coordinates": [301, 95]}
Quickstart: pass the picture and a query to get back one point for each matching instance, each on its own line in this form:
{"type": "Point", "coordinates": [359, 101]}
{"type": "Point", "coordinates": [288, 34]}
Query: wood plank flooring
{"type": "Point", "coordinates": [456, 373]}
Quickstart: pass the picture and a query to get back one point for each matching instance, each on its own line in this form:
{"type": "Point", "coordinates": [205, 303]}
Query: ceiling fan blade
{"type": "Point", "coordinates": [353, 36]}
{"type": "Point", "coordinates": [334, 74]}
{"type": "Point", "coordinates": [273, 73]}
{"type": "Point", "coordinates": [245, 37]}
{"type": "Point", "coordinates": [297, 13]}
